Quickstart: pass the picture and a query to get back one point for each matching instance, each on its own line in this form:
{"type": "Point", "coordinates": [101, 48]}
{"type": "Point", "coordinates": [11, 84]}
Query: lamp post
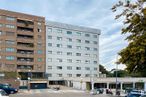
{"type": "Point", "coordinates": [116, 78]}
{"type": "Point", "coordinates": [81, 83]}
{"type": "Point", "coordinates": [117, 75]}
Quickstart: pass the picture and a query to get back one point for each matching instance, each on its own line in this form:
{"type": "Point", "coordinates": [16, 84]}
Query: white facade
{"type": "Point", "coordinates": [71, 51]}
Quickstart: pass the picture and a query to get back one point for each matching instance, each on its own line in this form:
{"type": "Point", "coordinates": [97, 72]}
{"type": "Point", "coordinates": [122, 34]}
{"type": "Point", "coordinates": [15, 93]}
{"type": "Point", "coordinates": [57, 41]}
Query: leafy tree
{"type": "Point", "coordinates": [103, 70]}
{"type": "Point", "coordinates": [133, 13]}
{"type": "Point", "coordinates": [120, 73]}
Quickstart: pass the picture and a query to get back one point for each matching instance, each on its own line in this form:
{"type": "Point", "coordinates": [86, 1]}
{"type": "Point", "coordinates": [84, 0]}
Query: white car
{"type": "Point", "coordinates": [3, 93]}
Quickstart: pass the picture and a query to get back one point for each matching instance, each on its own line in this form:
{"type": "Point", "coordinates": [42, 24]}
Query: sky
{"type": "Point", "coordinates": [89, 13]}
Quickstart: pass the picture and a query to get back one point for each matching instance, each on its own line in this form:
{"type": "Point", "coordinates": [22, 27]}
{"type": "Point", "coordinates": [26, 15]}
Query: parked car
{"type": "Point", "coordinates": [93, 92]}
{"type": "Point", "coordinates": [99, 90]}
{"type": "Point", "coordinates": [3, 93]}
{"type": "Point", "coordinates": [136, 93]}
{"type": "Point", "coordinates": [8, 89]}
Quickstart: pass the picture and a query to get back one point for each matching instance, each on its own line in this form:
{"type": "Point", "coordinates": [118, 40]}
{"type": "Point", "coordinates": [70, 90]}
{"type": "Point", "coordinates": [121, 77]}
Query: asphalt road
{"type": "Point", "coordinates": [59, 95]}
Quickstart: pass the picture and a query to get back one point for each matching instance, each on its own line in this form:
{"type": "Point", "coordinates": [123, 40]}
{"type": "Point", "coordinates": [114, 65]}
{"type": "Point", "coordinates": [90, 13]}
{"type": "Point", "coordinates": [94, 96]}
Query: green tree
{"type": "Point", "coordinates": [103, 70]}
{"type": "Point", "coordinates": [133, 13]}
{"type": "Point", "coordinates": [120, 73]}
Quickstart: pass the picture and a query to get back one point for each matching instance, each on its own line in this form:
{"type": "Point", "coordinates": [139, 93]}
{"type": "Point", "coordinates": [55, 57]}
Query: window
{"type": "Point", "coordinates": [39, 59]}
{"type": "Point", "coordinates": [49, 75]}
{"type": "Point", "coordinates": [87, 68]}
{"type": "Point", "coordinates": [59, 67]}
{"type": "Point", "coordinates": [10, 33]}
{"type": "Point", "coordinates": [87, 61]}
{"type": "Point", "coordinates": [69, 32]}
{"type": "Point", "coordinates": [87, 75]}
{"type": "Point", "coordinates": [59, 60]}
{"type": "Point", "coordinates": [10, 42]}
{"type": "Point", "coordinates": [49, 37]}
{"type": "Point", "coordinates": [1, 25]}
{"type": "Point", "coordinates": [78, 54]}
{"type": "Point", "coordinates": [59, 45]}
{"type": "Point", "coordinates": [10, 58]}
{"type": "Point", "coordinates": [10, 26]}
{"type": "Point", "coordinates": [78, 33]}
{"type": "Point", "coordinates": [69, 39]}
{"type": "Point", "coordinates": [94, 36]}
{"type": "Point", "coordinates": [59, 52]}
{"type": "Point", "coordinates": [87, 55]}
{"type": "Point", "coordinates": [78, 75]}
{"type": "Point", "coordinates": [49, 44]}
{"type": "Point", "coordinates": [95, 49]}
{"type": "Point", "coordinates": [49, 29]}
{"type": "Point", "coordinates": [95, 75]}
{"type": "Point", "coordinates": [95, 55]}
{"type": "Point", "coordinates": [49, 52]}
{"type": "Point", "coordinates": [10, 18]}
{"type": "Point", "coordinates": [69, 60]}
{"type": "Point", "coordinates": [69, 68]}
{"type": "Point", "coordinates": [39, 37]}
{"type": "Point", "coordinates": [94, 42]}
{"type": "Point", "coordinates": [87, 35]}
{"type": "Point", "coordinates": [1, 32]}
{"type": "Point", "coordinates": [59, 31]}
{"type": "Point", "coordinates": [49, 67]}
{"type": "Point", "coordinates": [49, 59]}
{"type": "Point", "coordinates": [59, 38]}
{"type": "Point", "coordinates": [39, 44]}
{"type": "Point", "coordinates": [39, 30]}
{"type": "Point", "coordinates": [78, 47]}
{"type": "Point", "coordinates": [95, 68]}
{"type": "Point", "coordinates": [59, 75]}
{"type": "Point", "coordinates": [39, 24]}
{"type": "Point", "coordinates": [10, 49]}
{"type": "Point", "coordinates": [69, 53]}
{"type": "Point", "coordinates": [78, 61]}
{"type": "Point", "coordinates": [40, 51]}
{"type": "Point", "coordinates": [78, 68]}
{"type": "Point", "coordinates": [95, 62]}
{"type": "Point", "coordinates": [87, 41]}
{"type": "Point", "coordinates": [69, 46]}
{"type": "Point", "coordinates": [87, 48]}
{"type": "Point", "coordinates": [78, 40]}
{"type": "Point", "coordinates": [69, 75]}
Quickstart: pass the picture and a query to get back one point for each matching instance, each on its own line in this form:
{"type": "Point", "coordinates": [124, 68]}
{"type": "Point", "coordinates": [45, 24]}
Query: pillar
{"type": "Point", "coordinates": [133, 85]}
{"type": "Point", "coordinates": [144, 86]}
{"type": "Point", "coordinates": [107, 85]}
{"type": "Point", "coordinates": [121, 86]}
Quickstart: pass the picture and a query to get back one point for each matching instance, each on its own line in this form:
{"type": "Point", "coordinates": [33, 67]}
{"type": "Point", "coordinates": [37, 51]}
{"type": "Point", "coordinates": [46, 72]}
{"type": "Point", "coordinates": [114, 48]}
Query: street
{"type": "Point", "coordinates": [59, 95]}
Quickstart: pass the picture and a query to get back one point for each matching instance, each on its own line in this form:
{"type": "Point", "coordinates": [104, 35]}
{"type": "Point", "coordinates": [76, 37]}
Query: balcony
{"type": "Point", "coordinates": [24, 25]}
{"type": "Point", "coordinates": [24, 29]}
{"type": "Point", "coordinates": [24, 61]}
{"type": "Point", "coordinates": [25, 67]}
{"type": "Point", "coordinates": [25, 46]}
{"type": "Point", "coordinates": [25, 53]}
{"type": "Point", "coordinates": [25, 38]}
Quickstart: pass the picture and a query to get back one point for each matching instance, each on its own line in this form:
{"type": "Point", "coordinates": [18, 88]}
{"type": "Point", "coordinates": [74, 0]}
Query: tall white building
{"type": "Point", "coordinates": [71, 51]}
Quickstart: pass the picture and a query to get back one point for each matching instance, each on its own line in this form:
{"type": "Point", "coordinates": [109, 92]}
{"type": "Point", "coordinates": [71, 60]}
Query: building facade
{"type": "Point", "coordinates": [71, 51]}
{"type": "Point", "coordinates": [22, 43]}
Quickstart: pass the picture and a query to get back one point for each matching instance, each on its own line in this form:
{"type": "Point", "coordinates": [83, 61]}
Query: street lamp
{"type": "Point", "coordinates": [81, 83]}
{"type": "Point", "coordinates": [117, 75]}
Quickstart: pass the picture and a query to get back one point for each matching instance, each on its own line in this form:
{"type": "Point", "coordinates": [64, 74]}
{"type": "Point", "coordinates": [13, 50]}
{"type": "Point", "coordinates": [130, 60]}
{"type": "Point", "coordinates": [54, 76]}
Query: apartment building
{"type": "Point", "coordinates": [71, 51]}
{"type": "Point", "coordinates": [22, 43]}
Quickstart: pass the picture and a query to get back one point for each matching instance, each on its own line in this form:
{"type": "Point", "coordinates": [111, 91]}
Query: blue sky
{"type": "Point", "coordinates": [90, 13]}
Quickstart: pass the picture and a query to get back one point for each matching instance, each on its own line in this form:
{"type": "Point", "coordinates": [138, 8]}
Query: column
{"type": "Point", "coordinates": [133, 85]}
{"type": "Point", "coordinates": [121, 86]}
{"type": "Point", "coordinates": [107, 85]}
{"type": "Point", "coordinates": [144, 86]}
